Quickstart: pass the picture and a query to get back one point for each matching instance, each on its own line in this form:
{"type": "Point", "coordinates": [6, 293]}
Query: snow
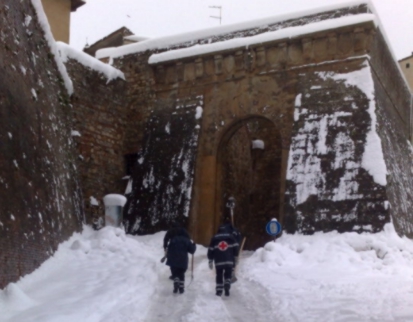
{"type": "Point", "coordinates": [285, 33]}
{"type": "Point", "coordinates": [135, 38]}
{"type": "Point", "coordinates": [373, 159]}
{"type": "Point", "coordinates": [167, 41]}
{"type": "Point", "coordinates": [198, 112]}
{"type": "Point", "coordinates": [93, 201]}
{"type": "Point", "coordinates": [114, 200]}
{"type": "Point", "coordinates": [107, 276]}
{"type": "Point", "coordinates": [67, 52]}
{"type": "Point", "coordinates": [41, 16]}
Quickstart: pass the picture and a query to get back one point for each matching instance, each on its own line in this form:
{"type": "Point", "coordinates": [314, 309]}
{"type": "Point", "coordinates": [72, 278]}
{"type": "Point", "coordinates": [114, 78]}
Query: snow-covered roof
{"type": "Point", "coordinates": [67, 52]}
{"type": "Point", "coordinates": [260, 26]}
{"type": "Point", "coordinates": [136, 38]}
{"type": "Point", "coordinates": [289, 32]}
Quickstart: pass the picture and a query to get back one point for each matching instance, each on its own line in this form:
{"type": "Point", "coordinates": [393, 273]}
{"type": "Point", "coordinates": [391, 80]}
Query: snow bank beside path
{"type": "Point", "coordinates": [337, 277]}
{"type": "Point", "coordinates": [95, 276]}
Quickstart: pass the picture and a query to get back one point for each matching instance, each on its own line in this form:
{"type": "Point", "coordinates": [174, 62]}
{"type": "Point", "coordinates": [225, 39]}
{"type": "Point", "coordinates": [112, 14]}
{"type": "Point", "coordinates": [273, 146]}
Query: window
{"type": "Point", "coordinates": [408, 65]}
{"type": "Point", "coordinates": [130, 160]}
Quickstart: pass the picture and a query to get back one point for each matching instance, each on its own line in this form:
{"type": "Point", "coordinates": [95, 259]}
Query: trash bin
{"type": "Point", "coordinates": [113, 209]}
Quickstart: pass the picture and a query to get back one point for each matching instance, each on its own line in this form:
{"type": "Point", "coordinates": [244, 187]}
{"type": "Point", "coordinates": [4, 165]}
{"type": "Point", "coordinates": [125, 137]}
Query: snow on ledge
{"type": "Point", "coordinates": [289, 32]}
{"type": "Point", "coordinates": [135, 38]}
{"type": "Point", "coordinates": [114, 200]}
{"type": "Point", "coordinates": [67, 52]}
{"type": "Point", "coordinates": [168, 41]}
{"type": "Point", "coordinates": [44, 23]}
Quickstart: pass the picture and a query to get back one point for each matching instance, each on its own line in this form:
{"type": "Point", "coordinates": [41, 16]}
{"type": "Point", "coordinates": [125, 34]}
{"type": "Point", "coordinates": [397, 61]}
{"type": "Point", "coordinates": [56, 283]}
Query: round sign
{"type": "Point", "coordinates": [273, 228]}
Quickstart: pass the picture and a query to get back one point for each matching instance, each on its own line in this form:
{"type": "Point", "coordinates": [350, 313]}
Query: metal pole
{"type": "Point", "coordinates": [220, 13]}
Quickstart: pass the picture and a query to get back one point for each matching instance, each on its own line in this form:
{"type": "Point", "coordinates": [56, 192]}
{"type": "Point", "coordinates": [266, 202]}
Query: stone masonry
{"type": "Point", "coordinates": [315, 151]}
{"type": "Point", "coordinates": [100, 135]}
{"type": "Point", "coordinates": [40, 199]}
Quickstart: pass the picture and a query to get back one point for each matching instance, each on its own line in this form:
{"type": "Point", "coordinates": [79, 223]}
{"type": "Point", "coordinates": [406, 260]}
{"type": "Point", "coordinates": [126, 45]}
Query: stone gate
{"type": "Point", "coordinates": [302, 119]}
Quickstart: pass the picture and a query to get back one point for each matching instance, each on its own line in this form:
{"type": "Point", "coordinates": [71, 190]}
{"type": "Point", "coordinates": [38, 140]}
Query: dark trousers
{"type": "Point", "coordinates": [223, 278]}
{"type": "Point", "coordinates": [178, 276]}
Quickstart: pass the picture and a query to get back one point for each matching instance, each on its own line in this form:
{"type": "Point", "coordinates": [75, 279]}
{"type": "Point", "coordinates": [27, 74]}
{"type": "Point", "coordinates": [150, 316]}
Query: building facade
{"type": "Point", "coordinates": [58, 15]}
{"type": "Point", "coordinates": [406, 65]}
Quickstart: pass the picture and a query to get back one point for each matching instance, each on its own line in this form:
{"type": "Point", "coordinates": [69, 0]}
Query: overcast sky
{"type": "Point", "coordinates": [154, 18]}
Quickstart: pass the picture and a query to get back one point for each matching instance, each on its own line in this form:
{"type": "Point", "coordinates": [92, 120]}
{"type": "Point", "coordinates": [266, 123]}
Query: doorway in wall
{"type": "Point", "coordinates": [248, 178]}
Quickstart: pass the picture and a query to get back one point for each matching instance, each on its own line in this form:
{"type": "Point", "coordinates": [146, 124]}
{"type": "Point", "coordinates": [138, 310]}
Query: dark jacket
{"type": "Point", "coordinates": [223, 248]}
{"type": "Point", "coordinates": [171, 233]}
{"type": "Point", "coordinates": [178, 248]}
{"type": "Point", "coordinates": [236, 233]}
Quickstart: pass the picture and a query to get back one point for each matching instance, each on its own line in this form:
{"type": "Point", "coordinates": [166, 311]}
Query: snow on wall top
{"type": "Point", "coordinates": [67, 52]}
{"type": "Point", "coordinates": [114, 200]}
{"type": "Point", "coordinates": [44, 23]}
{"type": "Point", "coordinates": [193, 36]}
{"type": "Point", "coordinates": [136, 38]}
{"type": "Point", "coordinates": [289, 32]}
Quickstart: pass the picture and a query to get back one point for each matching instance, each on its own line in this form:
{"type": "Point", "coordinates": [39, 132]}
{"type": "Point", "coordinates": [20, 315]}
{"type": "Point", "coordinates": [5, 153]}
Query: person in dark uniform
{"type": "Point", "coordinates": [238, 238]}
{"type": "Point", "coordinates": [223, 251]}
{"type": "Point", "coordinates": [177, 245]}
{"type": "Point", "coordinates": [171, 233]}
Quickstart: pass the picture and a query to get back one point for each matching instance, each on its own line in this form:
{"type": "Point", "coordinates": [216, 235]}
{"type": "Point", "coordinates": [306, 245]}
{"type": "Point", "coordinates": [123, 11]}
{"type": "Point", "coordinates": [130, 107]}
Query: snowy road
{"type": "Point", "coordinates": [247, 301]}
{"type": "Point", "coordinates": [107, 276]}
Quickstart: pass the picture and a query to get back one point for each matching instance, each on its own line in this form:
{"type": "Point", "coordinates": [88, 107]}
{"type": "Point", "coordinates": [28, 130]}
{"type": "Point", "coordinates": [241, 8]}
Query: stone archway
{"type": "Point", "coordinates": [249, 164]}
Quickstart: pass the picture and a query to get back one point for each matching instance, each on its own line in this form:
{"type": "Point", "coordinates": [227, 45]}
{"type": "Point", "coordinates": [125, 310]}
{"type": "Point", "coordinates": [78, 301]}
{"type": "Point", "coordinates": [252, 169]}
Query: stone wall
{"type": "Point", "coordinates": [395, 129]}
{"type": "Point", "coordinates": [100, 117]}
{"type": "Point", "coordinates": [398, 157]}
{"type": "Point", "coordinates": [140, 97]}
{"type": "Point", "coordinates": [329, 185]}
{"type": "Point", "coordinates": [261, 81]}
{"type": "Point", "coordinates": [163, 176]}
{"type": "Point", "coordinates": [40, 202]}
{"type": "Point", "coordinates": [387, 72]}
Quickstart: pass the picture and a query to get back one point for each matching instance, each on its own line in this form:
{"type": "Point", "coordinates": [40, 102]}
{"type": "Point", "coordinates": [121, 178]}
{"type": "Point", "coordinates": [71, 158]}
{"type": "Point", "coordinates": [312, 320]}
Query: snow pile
{"type": "Point", "coordinates": [67, 52]}
{"type": "Point", "coordinates": [285, 33]}
{"type": "Point", "coordinates": [87, 280]}
{"type": "Point", "coordinates": [107, 276]}
{"type": "Point", "coordinates": [44, 23]}
{"type": "Point", "coordinates": [337, 277]}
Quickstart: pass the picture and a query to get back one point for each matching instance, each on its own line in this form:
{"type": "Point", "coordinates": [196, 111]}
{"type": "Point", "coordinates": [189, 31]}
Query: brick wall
{"type": "Point", "coordinates": [100, 117]}
{"type": "Point", "coordinates": [40, 203]}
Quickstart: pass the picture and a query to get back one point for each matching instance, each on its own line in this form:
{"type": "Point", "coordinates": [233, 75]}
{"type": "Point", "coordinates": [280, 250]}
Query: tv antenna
{"type": "Point", "coordinates": [220, 13]}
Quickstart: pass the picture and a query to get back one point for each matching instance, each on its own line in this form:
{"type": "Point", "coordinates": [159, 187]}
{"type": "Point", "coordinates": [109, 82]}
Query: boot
{"type": "Point", "coordinates": [226, 291]}
{"type": "Point", "coordinates": [176, 286]}
{"type": "Point", "coordinates": [181, 290]}
{"type": "Point", "coordinates": [218, 293]}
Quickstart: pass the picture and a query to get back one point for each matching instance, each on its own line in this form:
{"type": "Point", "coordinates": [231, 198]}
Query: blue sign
{"type": "Point", "coordinates": [273, 228]}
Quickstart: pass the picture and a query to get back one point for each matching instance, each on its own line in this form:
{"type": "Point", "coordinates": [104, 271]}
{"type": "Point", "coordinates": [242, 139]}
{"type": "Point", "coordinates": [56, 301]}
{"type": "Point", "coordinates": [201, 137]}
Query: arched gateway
{"type": "Point", "coordinates": [248, 177]}
{"type": "Point", "coordinates": [263, 125]}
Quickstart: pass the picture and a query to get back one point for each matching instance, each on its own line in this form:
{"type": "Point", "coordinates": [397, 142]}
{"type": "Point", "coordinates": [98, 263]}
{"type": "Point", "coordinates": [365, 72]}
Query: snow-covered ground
{"type": "Point", "coordinates": [108, 276]}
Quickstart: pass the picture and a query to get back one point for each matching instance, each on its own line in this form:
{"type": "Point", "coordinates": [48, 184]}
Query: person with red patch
{"type": "Point", "coordinates": [223, 250]}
